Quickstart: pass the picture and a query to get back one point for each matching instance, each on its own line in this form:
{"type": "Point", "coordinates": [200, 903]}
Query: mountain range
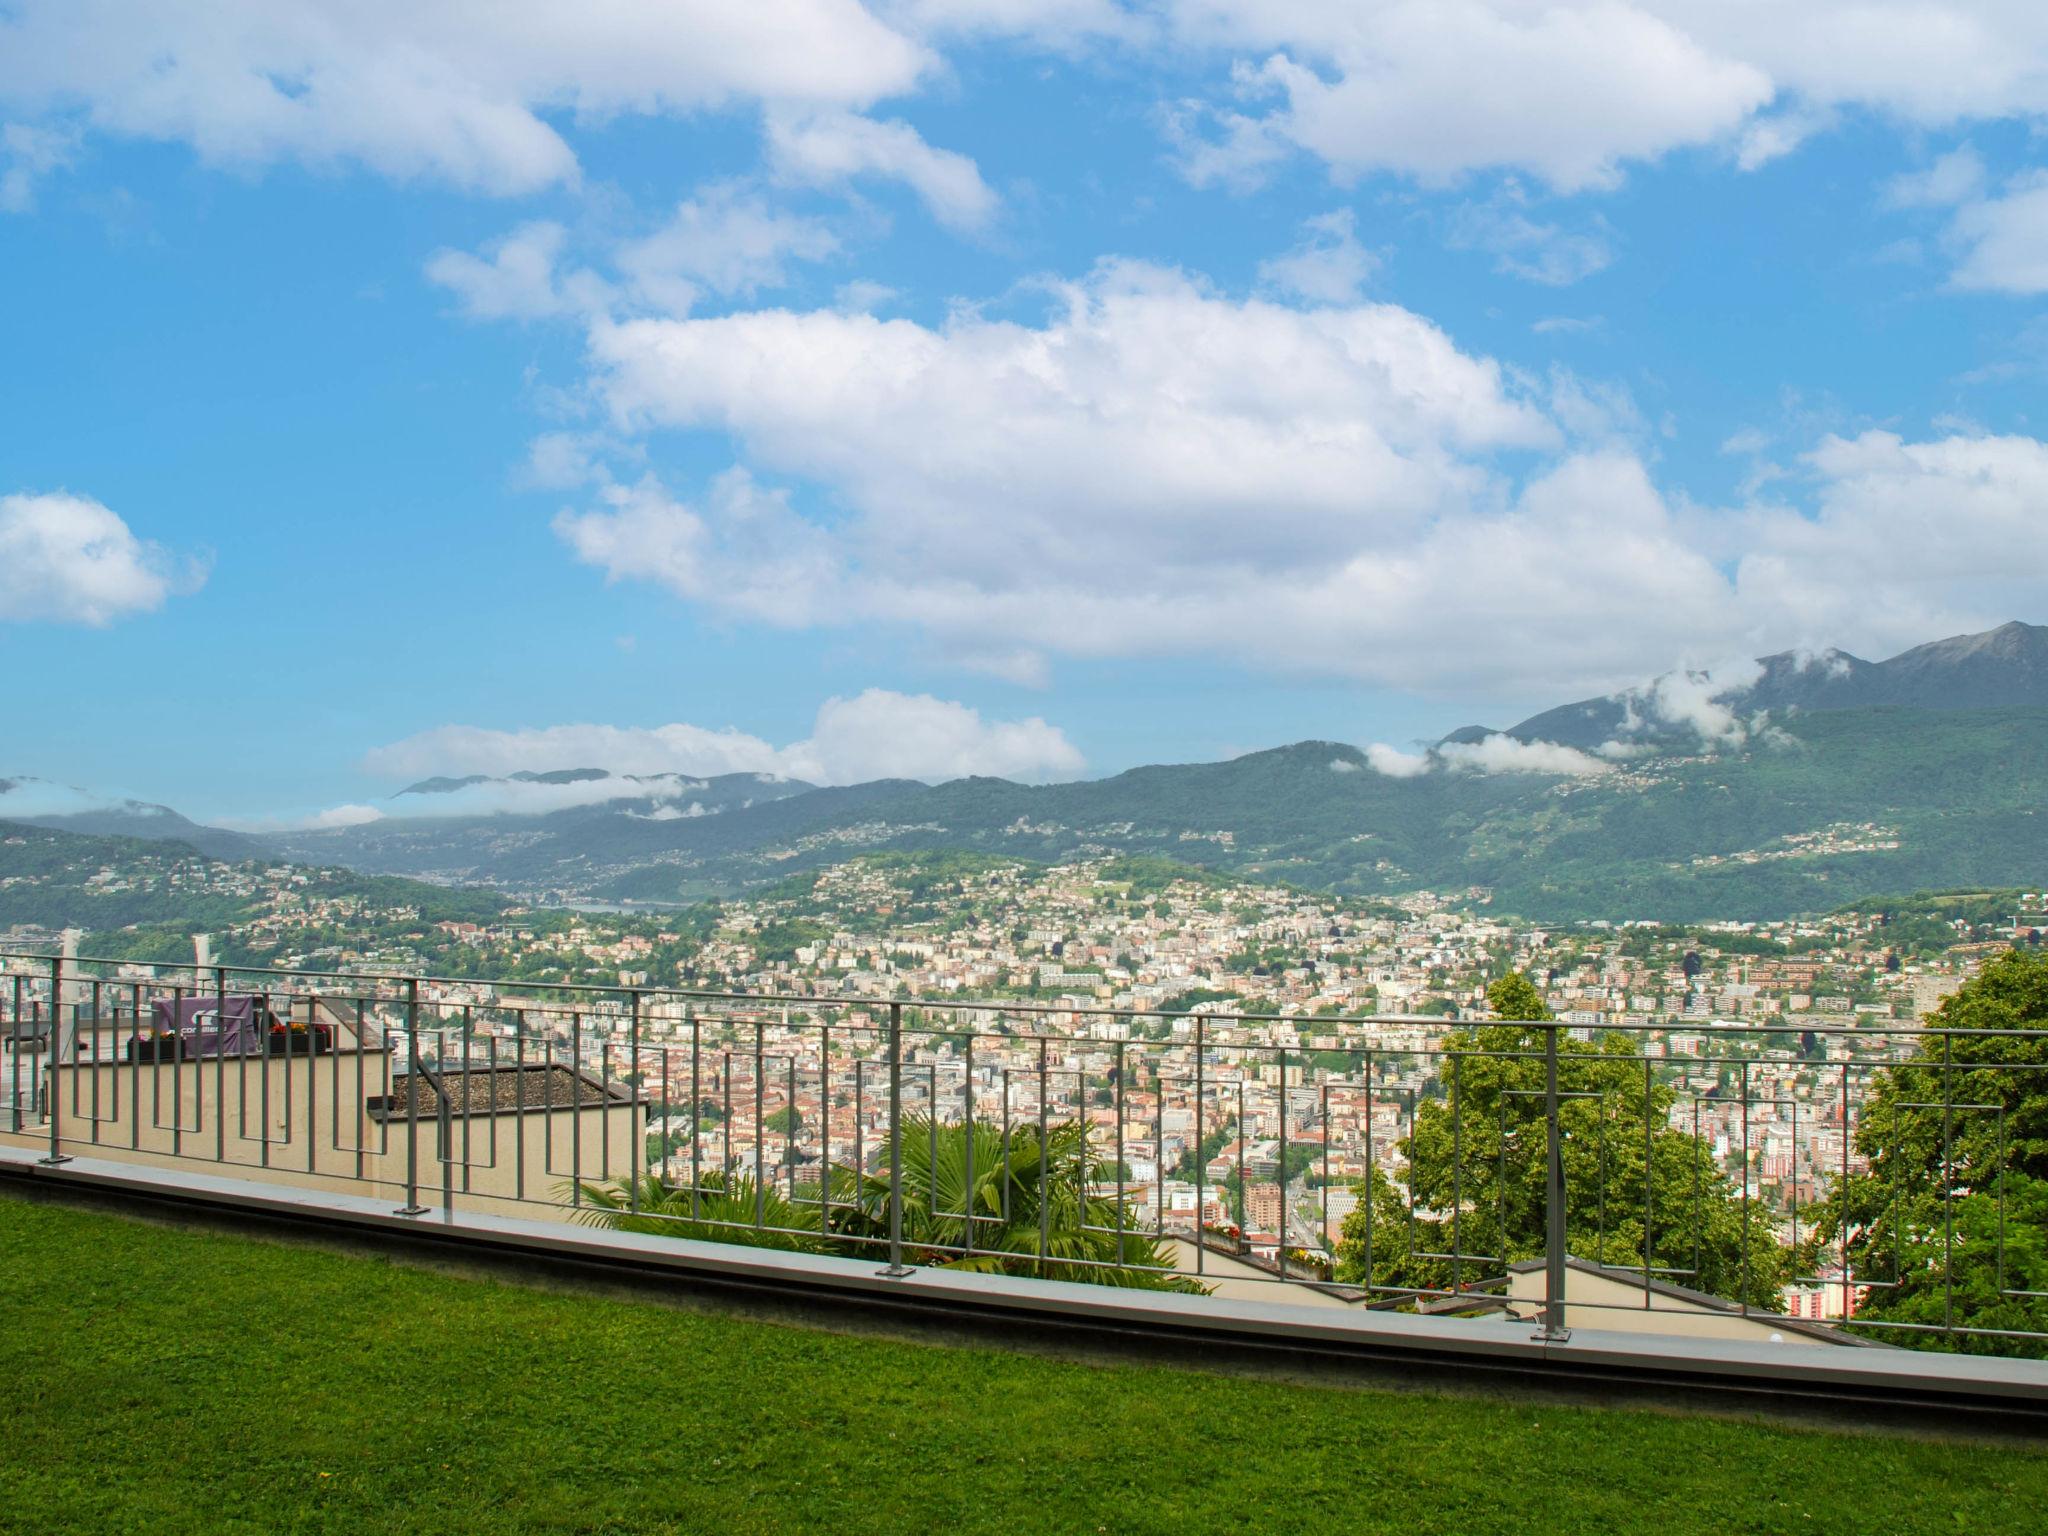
{"type": "Point", "coordinates": [1797, 782]}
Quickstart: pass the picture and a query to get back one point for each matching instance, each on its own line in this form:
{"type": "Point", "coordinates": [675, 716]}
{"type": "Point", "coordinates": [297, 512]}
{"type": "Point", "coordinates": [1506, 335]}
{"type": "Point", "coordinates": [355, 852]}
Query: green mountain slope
{"type": "Point", "coordinates": [1848, 803]}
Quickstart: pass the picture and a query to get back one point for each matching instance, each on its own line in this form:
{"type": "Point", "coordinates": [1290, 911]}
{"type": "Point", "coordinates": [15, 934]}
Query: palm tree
{"type": "Point", "coordinates": [721, 1210]}
{"type": "Point", "coordinates": [1034, 1207]}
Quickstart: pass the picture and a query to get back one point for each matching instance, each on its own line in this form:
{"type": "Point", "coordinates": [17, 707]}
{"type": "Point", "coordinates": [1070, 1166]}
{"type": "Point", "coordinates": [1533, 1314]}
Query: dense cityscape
{"type": "Point", "coordinates": [1243, 1054]}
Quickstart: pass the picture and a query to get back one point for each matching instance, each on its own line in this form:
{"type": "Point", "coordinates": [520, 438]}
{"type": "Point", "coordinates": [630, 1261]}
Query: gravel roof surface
{"type": "Point", "coordinates": [487, 1091]}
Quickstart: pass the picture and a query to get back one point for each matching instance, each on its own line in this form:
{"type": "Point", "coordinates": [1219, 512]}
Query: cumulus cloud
{"type": "Point", "coordinates": [465, 91]}
{"type": "Point", "coordinates": [874, 734]}
{"type": "Point", "coordinates": [1964, 505]}
{"type": "Point", "coordinates": [1493, 754]}
{"type": "Point", "coordinates": [1329, 266]}
{"type": "Point", "coordinates": [1697, 700]}
{"type": "Point", "coordinates": [2003, 240]}
{"type": "Point", "coordinates": [1998, 237]}
{"type": "Point", "coordinates": [1158, 469]}
{"type": "Point", "coordinates": [1572, 91]}
{"type": "Point", "coordinates": [1575, 90]}
{"type": "Point", "coordinates": [741, 550]}
{"type": "Point", "coordinates": [68, 559]}
{"type": "Point", "coordinates": [516, 278]}
{"type": "Point", "coordinates": [727, 240]}
{"type": "Point", "coordinates": [827, 149]}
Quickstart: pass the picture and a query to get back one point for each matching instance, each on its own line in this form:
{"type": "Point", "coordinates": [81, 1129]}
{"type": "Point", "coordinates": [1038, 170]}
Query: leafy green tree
{"type": "Point", "coordinates": [1949, 1225]}
{"type": "Point", "coordinates": [1478, 1164]}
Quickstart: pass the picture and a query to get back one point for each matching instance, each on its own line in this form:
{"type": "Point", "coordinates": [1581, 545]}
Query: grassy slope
{"type": "Point", "coordinates": [153, 1379]}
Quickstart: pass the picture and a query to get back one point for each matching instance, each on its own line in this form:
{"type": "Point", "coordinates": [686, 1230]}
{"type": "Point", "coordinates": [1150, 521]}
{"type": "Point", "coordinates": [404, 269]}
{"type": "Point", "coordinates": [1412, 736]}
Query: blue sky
{"type": "Point", "coordinates": [949, 387]}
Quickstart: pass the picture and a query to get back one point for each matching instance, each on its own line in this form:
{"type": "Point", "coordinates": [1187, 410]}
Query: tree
{"type": "Point", "coordinates": [722, 1210]}
{"type": "Point", "coordinates": [1478, 1162]}
{"type": "Point", "coordinates": [1020, 1196]}
{"type": "Point", "coordinates": [1023, 1198]}
{"type": "Point", "coordinates": [1949, 1225]}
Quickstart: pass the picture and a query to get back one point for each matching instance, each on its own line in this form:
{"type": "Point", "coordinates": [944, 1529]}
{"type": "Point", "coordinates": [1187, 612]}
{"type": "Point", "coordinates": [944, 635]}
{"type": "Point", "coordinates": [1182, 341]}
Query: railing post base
{"type": "Point", "coordinates": [54, 1160]}
{"type": "Point", "coordinates": [412, 1210]}
{"type": "Point", "coordinates": [1545, 1334]}
{"type": "Point", "coordinates": [896, 1271]}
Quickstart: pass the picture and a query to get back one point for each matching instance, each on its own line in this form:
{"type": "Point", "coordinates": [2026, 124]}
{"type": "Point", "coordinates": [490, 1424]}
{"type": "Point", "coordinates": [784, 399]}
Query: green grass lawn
{"type": "Point", "coordinates": [161, 1379]}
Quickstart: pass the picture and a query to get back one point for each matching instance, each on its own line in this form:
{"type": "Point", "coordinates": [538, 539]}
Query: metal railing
{"type": "Point", "coordinates": [1640, 1176]}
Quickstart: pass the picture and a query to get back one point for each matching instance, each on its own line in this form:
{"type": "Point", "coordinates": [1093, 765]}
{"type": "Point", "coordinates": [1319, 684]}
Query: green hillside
{"type": "Point", "coordinates": [1843, 805]}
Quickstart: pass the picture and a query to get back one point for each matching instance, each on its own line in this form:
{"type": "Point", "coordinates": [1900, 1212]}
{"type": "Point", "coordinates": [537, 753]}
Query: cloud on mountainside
{"type": "Point", "coordinates": [1493, 754]}
{"type": "Point", "coordinates": [873, 735]}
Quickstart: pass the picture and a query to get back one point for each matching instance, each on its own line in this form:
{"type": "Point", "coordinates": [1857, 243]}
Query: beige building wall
{"type": "Point", "coordinates": [1598, 1301]}
{"type": "Point", "coordinates": [1234, 1280]}
{"type": "Point", "coordinates": [303, 1121]}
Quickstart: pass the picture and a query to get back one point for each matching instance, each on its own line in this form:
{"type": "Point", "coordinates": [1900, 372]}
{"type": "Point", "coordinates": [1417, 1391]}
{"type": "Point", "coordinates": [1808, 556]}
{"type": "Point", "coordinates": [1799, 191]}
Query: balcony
{"type": "Point", "coordinates": [1051, 1169]}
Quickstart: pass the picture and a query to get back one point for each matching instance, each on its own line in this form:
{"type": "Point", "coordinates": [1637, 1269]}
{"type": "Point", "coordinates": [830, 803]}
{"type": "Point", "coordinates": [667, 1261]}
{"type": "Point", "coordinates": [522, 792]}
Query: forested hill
{"type": "Point", "coordinates": [54, 880]}
{"type": "Point", "coordinates": [1836, 805]}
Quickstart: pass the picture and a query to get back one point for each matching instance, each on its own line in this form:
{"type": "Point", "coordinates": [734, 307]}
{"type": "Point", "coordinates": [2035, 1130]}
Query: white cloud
{"type": "Point", "coordinates": [516, 278]}
{"type": "Point", "coordinates": [68, 559]}
{"type": "Point", "coordinates": [875, 734]}
{"type": "Point", "coordinates": [1489, 755]}
{"type": "Point", "coordinates": [1505, 754]}
{"type": "Point", "coordinates": [1907, 540]}
{"type": "Point", "coordinates": [1696, 699]}
{"type": "Point", "coordinates": [1395, 763]}
{"type": "Point", "coordinates": [2004, 239]}
{"type": "Point", "coordinates": [1329, 266]}
{"type": "Point", "coordinates": [726, 239]}
{"type": "Point", "coordinates": [27, 153]}
{"type": "Point", "coordinates": [1345, 765]}
{"type": "Point", "coordinates": [1956, 177]}
{"type": "Point", "coordinates": [827, 149]}
{"type": "Point", "coordinates": [1154, 469]}
{"type": "Point", "coordinates": [345, 816]}
{"type": "Point", "coordinates": [1572, 91]}
{"type": "Point", "coordinates": [462, 91]}
{"type": "Point", "coordinates": [1999, 238]}
{"type": "Point", "coordinates": [743, 551]}
{"type": "Point", "coordinates": [1525, 247]}
{"type": "Point", "coordinates": [1434, 88]}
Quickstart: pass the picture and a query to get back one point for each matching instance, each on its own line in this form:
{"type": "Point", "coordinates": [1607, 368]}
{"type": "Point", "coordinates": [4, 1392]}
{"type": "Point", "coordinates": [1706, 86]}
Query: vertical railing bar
{"type": "Point", "coordinates": [1948, 1179]}
{"type": "Point", "coordinates": [638, 1133]}
{"type": "Point", "coordinates": [412, 1206]}
{"type": "Point", "coordinates": [1553, 1329]}
{"type": "Point", "coordinates": [1158, 1153]}
{"type": "Point", "coordinates": [53, 1055]}
{"type": "Point", "coordinates": [967, 1120]}
{"type": "Point", "coordinates": [896, 1268]}
{"type": "Point", "coordinates": [1371, 1209]}
{"type": "Point", "coordinates": [1201, 1170]}
{"type": "Point", "coordinates": [1044, 1162]}
{"type": "Point", "coordinates": [1744, 1301]}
